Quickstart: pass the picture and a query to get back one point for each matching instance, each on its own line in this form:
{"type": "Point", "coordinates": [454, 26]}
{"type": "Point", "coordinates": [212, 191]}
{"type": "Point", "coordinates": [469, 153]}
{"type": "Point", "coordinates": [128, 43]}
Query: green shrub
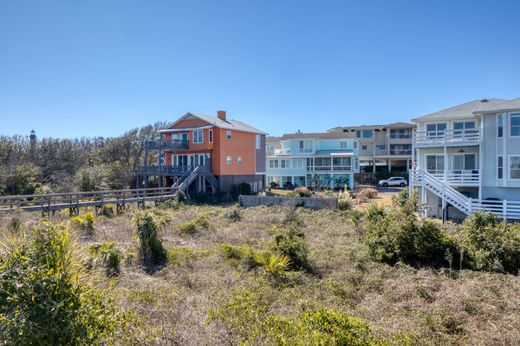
{"type": "Point", "coordinates": [247, 315]}
{"type": "Point", "coordinates": [303, 192]}
{"type": "Point", "coordinates": [490, 245]}
{"type": "Point", "coordinates": [84, 222]}
{"type": "Point", "coordinates": [195, 225]}
{"type": "Point", "coordinates": [181, 197]}
{"type": "Point", "coordinates": [273, 264]}
{"type": "Point", "coordinates": [233, 214]}
{"type": "Point", "coordinates": [173, 204]}
{"type": "Point", "coordinates": [15, 225]}
{"type": "Point", "coordinates": [45, 298]}
{"type": "Point", "coordinates": [150, 249]}
{"type": "Point", "coordinates": [290, 242]}
{"type": "Point", "coordinates": [109, 256]}
{"type": "Point", "coordinates": [107, 211]}
{"type": "Point", "coordinates": [345, 201]}
{"type": "Point", "coordinates": [396, 234]}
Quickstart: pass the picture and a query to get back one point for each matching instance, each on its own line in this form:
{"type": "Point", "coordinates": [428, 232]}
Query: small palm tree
{"type": "Point", "coordinates": [274, 264]}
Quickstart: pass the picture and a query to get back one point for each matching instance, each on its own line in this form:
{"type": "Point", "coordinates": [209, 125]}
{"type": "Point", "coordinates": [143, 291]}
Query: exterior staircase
{"type": "Point", "coordinates": [502, 208]}
{"type": "Point", "coordinates": [190, 175]}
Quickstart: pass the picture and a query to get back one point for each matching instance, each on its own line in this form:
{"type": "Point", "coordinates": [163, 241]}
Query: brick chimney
{"type": "Point", "coordinates": [221, 115]}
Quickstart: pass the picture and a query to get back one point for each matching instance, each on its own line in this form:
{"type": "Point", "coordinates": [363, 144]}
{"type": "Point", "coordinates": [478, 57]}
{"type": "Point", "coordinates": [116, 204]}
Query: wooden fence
{"type": "Point", "coordinates": [306, 202]}
{"type": "Point", "coordinates": [75, 200]}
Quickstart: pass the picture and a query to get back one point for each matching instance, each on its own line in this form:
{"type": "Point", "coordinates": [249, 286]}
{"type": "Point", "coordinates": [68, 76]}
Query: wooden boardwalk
{"type": "Point", "coordinates": [49, 203]}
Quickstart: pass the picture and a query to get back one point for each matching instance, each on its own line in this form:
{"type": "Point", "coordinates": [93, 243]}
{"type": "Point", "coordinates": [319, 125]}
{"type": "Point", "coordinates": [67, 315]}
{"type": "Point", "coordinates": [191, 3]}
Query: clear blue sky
{"type": "Point", "coordinates": [86, 68]}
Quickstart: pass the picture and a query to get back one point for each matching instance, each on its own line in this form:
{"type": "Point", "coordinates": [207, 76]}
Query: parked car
{"type": "Point", "coordinates": [394, 181]}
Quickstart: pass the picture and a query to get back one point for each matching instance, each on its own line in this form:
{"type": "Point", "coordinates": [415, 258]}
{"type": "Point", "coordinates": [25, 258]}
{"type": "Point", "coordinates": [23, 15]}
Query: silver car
{"type": "Point", "coordinates": [394, 181]}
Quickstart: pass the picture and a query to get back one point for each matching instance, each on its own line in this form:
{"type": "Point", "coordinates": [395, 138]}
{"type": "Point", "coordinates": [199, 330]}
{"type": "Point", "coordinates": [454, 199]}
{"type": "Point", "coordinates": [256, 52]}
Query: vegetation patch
{"type": "Point", "coordinates": [106, 255]}
{"type": "Point", "coordinates": [84, 222]}
{"type": "Point", "coordinates": [44, 299]}
{"type": "Point", "coordinates": [150, 249]}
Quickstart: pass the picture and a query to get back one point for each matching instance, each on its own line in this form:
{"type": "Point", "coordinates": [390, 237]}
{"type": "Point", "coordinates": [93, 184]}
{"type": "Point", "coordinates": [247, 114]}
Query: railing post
{"type": "Point", "coordinates": [504, 209]}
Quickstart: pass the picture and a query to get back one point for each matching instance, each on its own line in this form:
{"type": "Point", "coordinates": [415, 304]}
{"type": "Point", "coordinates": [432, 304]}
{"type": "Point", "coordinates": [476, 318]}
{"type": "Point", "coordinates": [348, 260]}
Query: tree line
{"type": "Point", "coordinates": [30, 165]}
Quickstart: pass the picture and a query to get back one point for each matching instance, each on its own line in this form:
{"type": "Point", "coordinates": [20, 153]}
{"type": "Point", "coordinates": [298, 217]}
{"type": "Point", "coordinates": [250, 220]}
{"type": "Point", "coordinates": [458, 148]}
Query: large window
{"type": "Point", "coordinates": [364, 133]}
{"type": "Point", "coordinates": [435, 164]}
{"type": "Point", "coordinates": [198, 136]}
{"type": "Point", "coordinates": [515, 125]}
{"type": "Point", "coordinates": [298, 163]}
{"type": "Point", "coordinates": [461, 128]}
{"type": "Point", "coordinates": [464, 162]}
{"type": "Point", "coordinates": [273, 163]}
{"type": "Point", "coordinates": [514, 167]}
{"type": "Point", "coordinates": [401, 133]}
{"type": "Point", "coordinates": [285, 164]}
{"type": "Point", "coordinates": [436, 130]}
{"type": "Point", "coordinates": [500, 125]}
{"type": "Point", "coordinates": [400, 149]}
{"type": "Point", "coordinates": [500, 168]}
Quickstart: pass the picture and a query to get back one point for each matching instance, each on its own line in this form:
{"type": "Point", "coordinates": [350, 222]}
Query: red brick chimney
{"type": "Point", "coordinates": [221, 115]}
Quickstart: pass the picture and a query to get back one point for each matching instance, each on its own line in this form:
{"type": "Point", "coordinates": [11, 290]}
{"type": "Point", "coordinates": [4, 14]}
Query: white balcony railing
{"type": "Point", "coordinates": [446, 137]}
{"type": "Point", "coordinates": [458, 177]}
{"type": "Point", "coordinates": [393, 152]}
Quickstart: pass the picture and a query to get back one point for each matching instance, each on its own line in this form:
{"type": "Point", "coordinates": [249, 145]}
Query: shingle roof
{"type": "Point", "coordinates": [317, 135]}
{"type": "Point", "coordinates": [464, 110]}
{"type": "Point", "coordinates": [502, 107]}
{"type": "Point", "coordinates": [229, 124]}
{"type": "Point", "coordinates": [372, 127]}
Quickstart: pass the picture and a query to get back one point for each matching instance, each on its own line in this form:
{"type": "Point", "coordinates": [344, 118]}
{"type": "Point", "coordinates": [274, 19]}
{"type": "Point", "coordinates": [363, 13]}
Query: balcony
{"type": "Point", "coordinates": [282, 152]}
{"type": "Point", "coordinates": [448, 138]}
{"type": "Point", "coordinates": [406, 135]}
{"type": "Point", "coordinates": [457, 177]}
{"type": "Point", "coordinates": [169, 170]}
{"type": "Point", "coordinates": [174, 144]}
{"type": "Point", "coordinates": [393, 152]}
{"type": "Point", "coordinates": [329, 168]}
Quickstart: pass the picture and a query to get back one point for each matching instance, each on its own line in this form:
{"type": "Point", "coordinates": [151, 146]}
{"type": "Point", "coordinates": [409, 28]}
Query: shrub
{"type": "Point", "coordinates": [181, 197]}
{"type": "Point", "coordinates": [109, 256]}
{"type": "Point", "coordinates": [107, 211]}
{"type": "Point", "coordinates": [45, 298]}
{"type": "Point", "coordinates": [491, 245]}
{"type": "Point", "coordinates": [396, 234]}
{"type": "Point", "coordinates": [193, 226]}
{"type": "Point", "coordinates": [84, 222]}
{"type": "Point", "coordinates": [243, 254]}
{"type": "Point", "coordinates": [173, 204]}
{"type": "Point", "coordinates": [233, 214]}
{"type": "Point", "coordinates": [248, 316]}
{"type": "Point", "coordinates": [303, 191]}
{"type": "Point", "coordinates": [345, 201]}
{"type": "Point", "coordinates": [273, 264]}
{"type": "Point", "coordinates": [15, 225]}
{"type": "Point", "coordinates": [290, 242]}
{"type": "Point", "coordinates": [368, 193]}
{"type": "Point", "coordinates": [240, 189]}
{"type": "Point", "coordinates": [150, 249]}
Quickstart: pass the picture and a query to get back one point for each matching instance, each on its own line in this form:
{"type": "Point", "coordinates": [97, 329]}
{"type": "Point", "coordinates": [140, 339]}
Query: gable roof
{"type": "Point", "coordinates": [464, 110]}
{"type": "Point", "coordinates": [507, 106]}
{"type": "Point", "coordinates": [228, 124]}
{"type": "Point", "coordinates": [317, 135]}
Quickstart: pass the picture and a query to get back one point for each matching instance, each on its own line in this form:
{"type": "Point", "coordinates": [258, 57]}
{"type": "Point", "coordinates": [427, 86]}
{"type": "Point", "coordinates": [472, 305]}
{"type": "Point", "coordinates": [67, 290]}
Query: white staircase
{"type": "Point", "coordinates": [189, 177]}
{"type": "Point", "coordinates": [504, 209]}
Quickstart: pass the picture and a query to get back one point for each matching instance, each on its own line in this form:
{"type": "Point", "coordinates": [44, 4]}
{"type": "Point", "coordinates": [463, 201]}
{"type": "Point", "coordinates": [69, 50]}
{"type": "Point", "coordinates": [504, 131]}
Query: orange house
{"type": "Point", "coordinates": [208, 153]}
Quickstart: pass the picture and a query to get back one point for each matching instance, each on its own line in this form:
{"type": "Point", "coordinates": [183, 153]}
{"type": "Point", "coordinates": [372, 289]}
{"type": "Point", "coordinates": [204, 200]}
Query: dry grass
{"type": "Point", "coordinates": [433, 307]}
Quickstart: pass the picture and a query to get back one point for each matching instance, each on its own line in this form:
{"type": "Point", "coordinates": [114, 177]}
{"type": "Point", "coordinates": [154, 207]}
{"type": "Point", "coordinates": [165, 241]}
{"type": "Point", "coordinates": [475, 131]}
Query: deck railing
{"type": "Point", "coordinates": [446, 137]}
{"type": "Point", "coordinates": [173, 144]}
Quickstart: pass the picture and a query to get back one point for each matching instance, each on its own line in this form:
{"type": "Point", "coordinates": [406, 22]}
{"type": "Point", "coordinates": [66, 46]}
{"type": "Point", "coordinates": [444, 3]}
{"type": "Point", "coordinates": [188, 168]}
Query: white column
{"type": "Point", "coordinates": [481, 157]}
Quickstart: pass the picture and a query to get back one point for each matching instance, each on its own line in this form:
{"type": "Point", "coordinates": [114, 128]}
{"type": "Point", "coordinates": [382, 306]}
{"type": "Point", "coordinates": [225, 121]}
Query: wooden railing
{"type": "Point", "coordinates": [75, 200]}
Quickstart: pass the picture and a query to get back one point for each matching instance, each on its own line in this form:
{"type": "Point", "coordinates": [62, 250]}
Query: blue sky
{"type": "Point", "coordinates": [98, 68]}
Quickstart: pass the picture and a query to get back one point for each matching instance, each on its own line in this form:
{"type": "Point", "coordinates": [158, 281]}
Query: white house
{"type": "Point", "coordinates": [467, 158]}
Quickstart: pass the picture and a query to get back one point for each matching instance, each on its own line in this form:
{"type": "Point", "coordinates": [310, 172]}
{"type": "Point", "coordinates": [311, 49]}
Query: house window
{"type": "Point", "coordinates": [198, 136]}
{"type": "Point", "coordinates": [229, 160]}
{"type": "Point", "coordinates": [211, 136]}
{"type": "Point", "coordinates": [500, 126]}
{"type": "Point", "coordinates": [515, 125]}
{"type": "Point", "coordinates": [273, 163]}
{"type": "Point", "coordinates": [435, 164]}
{"type": "Point", "coordinates": [284, 164]}
{"type": "Point", "coordinates": [258, 142]}
{"type": "Point", "coordinates": [228, 134]}
{"type": "Point", "coordinates": [239, 160]}
{"type": "Point", "coordinates": [500, 168]}
{"type": "Point", "coordinates": [436, 130]}
{"type": "Point", "coordinates": [305, 146]}
{"type": "Point", "coordinates": [367, 133]}
{"type": "Point", "coordinates": [514, 167]}
{"type": "Point", "coordinates": [464, 162]}
{"type": "Point", "coordinates": [364, 147]}
{"type": "Point", "coordinates": [343, 144]}
{"type": "Point", "coordinates": [400, 133]}
{"type": "Point", "coordinates": [355, 145]}
{"type": "Point", "coordinates": [461, 128]}
{"type": "Point", "coordinates": [298, 163]}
